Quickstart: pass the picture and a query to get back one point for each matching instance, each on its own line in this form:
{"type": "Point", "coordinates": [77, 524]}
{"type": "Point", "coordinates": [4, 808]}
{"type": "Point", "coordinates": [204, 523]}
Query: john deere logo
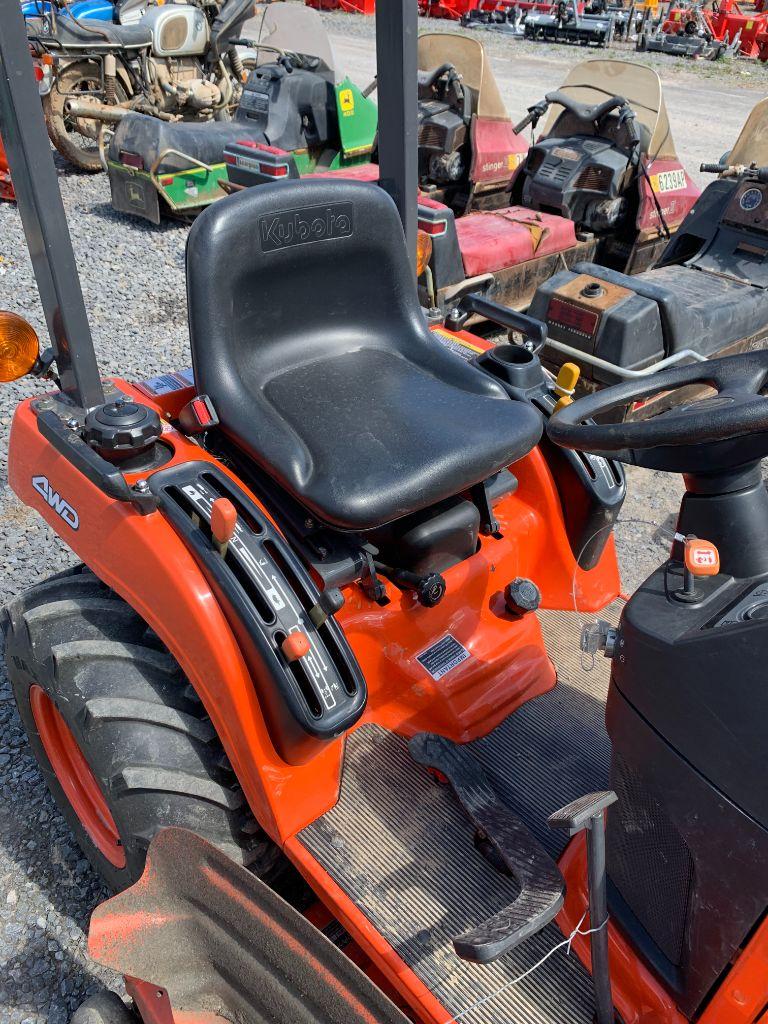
{"type": "Point", "coordinates": [135, 193]}
{"type": "Point", "coordinates": [313, 224]}
{"type": "Point", "coordinates": [347, 102]}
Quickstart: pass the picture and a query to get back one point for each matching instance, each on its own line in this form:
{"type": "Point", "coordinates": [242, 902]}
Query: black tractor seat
{"type": "Point", "coordinates": [308, 336]}
{"type": "Point", "coordinates": [150, 138]}
{"type": "Point", "coordinates": [698, 310]}
{"type": "Point", "coordinates": [93, 35]}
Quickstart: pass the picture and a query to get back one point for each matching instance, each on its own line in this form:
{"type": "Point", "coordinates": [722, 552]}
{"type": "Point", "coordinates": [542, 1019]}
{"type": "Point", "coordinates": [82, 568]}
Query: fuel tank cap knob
{"type": "Point", "coordinates": [122, 427]}
{"type": "Point", "coordinates": [521, 596]}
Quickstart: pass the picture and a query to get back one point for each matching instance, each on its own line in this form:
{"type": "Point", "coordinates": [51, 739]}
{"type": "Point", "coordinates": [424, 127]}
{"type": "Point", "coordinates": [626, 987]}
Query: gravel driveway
{"type": "Point", "coordinates": [133, 280]}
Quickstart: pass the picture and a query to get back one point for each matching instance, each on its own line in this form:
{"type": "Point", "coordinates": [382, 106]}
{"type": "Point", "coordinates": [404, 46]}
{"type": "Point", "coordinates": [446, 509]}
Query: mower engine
{"type": "Point", "coordinates": [294, 106]}
{"type": "Point", "coordinates": [445, 114]}
{"type": "Point", "coordinates": [580, 176]}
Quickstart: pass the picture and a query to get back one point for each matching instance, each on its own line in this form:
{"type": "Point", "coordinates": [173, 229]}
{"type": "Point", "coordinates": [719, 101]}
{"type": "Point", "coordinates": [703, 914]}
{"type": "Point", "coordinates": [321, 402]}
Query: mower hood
{"type": "Point", "coordinates": [293, 28]}
{"type": "Point", "coordinates": [596, 80]}
{"type": "Point", "coordinates": [751, 147]}
{"type": "Point", "coordinates": [468, 57]}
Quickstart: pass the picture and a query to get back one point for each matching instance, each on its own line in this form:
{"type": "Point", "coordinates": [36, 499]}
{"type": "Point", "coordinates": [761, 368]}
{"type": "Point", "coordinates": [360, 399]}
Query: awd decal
{"type": "Point", "coordinates": [61, 507]}
{"type": "Point", "coordinates": [313, 224]}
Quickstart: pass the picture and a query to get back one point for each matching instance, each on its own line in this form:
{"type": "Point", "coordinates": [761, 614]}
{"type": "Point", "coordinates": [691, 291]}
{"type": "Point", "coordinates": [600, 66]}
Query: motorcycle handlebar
{"type": "Point", "coordinates": [759, 174]}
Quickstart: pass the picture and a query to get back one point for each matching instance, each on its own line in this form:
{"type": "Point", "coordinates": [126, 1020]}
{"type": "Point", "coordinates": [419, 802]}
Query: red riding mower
{"type": "Point", "coordinates": [602, 182]}
{"type": "Point", "coordinates": [707, 296]}
{"type": "Point", "coordinates": [308, 628]}
{"type": "Point", "coordinates": [6, 186]}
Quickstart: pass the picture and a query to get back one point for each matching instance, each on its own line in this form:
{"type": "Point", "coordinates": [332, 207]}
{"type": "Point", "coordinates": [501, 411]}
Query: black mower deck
{"type": "Point", "coordinates": [426, 883]}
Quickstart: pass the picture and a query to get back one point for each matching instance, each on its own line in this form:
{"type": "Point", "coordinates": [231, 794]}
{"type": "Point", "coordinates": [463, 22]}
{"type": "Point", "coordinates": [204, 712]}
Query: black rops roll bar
{"type": "Point", "coordinates": [42, 214]}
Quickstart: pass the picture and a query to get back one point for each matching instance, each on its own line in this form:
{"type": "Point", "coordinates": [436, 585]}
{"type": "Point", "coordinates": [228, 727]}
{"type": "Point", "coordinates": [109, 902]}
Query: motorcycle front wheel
{"type": "Point", "coordinates": [76, 138]}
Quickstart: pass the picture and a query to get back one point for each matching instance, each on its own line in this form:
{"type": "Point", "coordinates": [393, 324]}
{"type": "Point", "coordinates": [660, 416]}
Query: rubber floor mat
{"type": "Point", "coordinates": [400, 846]}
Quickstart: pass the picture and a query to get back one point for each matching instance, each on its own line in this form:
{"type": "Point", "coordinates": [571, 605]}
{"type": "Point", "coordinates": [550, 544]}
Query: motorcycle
{"type": "Point", "coordinates": [121, 12]}
{"type": "Point", "coordinates": [176, 63]}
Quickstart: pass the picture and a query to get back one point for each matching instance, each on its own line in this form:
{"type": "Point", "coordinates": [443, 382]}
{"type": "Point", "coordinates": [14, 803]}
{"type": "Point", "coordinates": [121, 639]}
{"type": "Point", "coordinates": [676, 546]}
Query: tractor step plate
{"type": "Point", "coordinates": [400, 845]}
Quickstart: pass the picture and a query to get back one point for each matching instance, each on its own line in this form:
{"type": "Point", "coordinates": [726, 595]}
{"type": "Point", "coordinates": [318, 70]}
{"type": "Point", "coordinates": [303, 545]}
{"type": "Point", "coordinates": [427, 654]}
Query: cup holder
{"type": "Point", "coordinates": [512, 364]}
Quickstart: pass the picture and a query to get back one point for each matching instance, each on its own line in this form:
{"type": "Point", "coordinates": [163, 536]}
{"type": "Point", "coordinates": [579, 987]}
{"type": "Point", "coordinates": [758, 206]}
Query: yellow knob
{"type": "Point", "coordinates": [565, 385]}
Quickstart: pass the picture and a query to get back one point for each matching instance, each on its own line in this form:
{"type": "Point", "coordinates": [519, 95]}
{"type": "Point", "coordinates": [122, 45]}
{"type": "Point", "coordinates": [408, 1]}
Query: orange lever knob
{"type": "Point", "coordinates": [295, 646]}
{"type": "Point", "coordinates": [701, 557]}
{"type": "Point", "coordinates": [223, 520]}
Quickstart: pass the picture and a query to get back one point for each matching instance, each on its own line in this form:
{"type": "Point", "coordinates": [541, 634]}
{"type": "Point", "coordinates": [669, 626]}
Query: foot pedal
{"type": "Point", "coordinates": [541, 884]}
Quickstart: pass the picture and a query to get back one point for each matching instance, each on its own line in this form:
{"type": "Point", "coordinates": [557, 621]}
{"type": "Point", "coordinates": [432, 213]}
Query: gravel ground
{"type": "Point", "coordinates": [741, 71]}
{"type": "Point", "coordinates": [133, 282]}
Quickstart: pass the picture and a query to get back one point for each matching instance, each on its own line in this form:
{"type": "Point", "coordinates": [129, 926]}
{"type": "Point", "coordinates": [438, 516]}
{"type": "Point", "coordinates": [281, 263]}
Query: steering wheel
{"type": "Point", "coordinates": [708, 436]}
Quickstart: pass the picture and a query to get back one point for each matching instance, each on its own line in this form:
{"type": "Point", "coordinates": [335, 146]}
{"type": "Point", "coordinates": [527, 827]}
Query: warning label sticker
{"type": "Point", "coordinates": [443, 656]}
{"type": "Point", "coordinates": [459, 346]}
{"type": "Point", "coordinates": [166, 384]}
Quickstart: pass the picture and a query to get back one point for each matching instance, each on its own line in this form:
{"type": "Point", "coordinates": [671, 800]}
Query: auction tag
{"type": "Point", "coordinates": [668, 181]}
{"type": "Point", "coordinates": [443, 656]}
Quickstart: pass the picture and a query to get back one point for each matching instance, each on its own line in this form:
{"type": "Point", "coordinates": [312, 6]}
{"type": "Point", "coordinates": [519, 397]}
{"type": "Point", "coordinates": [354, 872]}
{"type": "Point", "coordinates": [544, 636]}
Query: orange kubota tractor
{"type": "Point", "coordinates": [298, 701]}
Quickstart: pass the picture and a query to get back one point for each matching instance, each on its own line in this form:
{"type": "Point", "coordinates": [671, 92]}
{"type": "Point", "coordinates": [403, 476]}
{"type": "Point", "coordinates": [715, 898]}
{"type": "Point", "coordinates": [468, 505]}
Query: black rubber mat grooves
{"type": "Point", "coordinates": [401, 847]}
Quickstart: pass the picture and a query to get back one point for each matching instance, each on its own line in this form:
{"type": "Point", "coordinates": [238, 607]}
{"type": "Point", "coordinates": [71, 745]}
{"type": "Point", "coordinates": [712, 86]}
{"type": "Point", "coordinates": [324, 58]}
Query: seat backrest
{"type": "Point", "coordinates": [281, 275]}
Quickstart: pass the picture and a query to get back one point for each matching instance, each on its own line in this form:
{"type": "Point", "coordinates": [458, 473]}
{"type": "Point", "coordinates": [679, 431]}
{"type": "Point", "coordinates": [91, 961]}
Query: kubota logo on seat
{"type": "Point", "coordinates": [313, 224]}
{"type": "Point", "coordinates": [57, 503]}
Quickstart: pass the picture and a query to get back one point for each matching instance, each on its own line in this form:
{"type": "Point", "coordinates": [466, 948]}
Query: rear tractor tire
{"type": "Point", "coordinates": [104, 1008]}
{"type": "Point", "coordinates": [121, 738]}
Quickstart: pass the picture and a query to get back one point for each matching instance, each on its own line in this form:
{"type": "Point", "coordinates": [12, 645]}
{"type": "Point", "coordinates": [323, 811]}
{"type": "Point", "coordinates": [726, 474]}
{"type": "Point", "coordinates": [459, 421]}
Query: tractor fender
{"type": "Point", "coordinates": [144, 560]}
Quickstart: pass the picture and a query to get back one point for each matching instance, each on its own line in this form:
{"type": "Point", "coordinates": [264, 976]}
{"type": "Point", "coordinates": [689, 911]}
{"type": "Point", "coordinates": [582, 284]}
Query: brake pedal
{"type": "Point", "coordinates": [541, 884]}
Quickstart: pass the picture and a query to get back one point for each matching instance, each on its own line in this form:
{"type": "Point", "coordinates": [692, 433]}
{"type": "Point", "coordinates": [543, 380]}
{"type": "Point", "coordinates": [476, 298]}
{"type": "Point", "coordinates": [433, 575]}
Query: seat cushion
{"type": "Point", "coordinates": [148, 137]}
{"type": "Point", "coordinates": [308, 336]}
{"type": "Point", "coordinates": [698, 310]}
{"type": "Point", "coordinates": [94, 34]}
{"type": "Point", "coordinates": [497, 239]}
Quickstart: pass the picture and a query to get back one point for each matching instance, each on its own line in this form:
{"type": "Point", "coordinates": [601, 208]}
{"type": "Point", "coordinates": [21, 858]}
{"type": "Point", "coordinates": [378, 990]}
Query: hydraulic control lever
{"type": "Point", "coordinates": [429, 588]}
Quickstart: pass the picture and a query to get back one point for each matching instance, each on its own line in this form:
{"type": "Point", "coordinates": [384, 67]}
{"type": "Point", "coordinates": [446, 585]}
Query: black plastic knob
{"type": "Point", "coordinates": [521, 596]}
{"type": "Point", "coordinates": [122, 427]}
{"type": "Point", "coordinates": [430, 589]}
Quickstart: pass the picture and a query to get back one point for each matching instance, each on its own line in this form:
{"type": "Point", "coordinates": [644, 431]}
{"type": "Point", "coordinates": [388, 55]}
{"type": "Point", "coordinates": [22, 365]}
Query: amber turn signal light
{"type": "Point", "coordinates": [423, 252]}
{"type": "Point", "coordinates": [19, 347]}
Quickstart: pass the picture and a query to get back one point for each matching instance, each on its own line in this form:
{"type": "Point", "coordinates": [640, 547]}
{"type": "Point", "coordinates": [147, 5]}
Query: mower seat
{"type": "Point", "coordinates": [308, 337]}
{"type": "Point", "coordinates": [698, 310]}
{"type": "Point", "coordinates": [149, 138]}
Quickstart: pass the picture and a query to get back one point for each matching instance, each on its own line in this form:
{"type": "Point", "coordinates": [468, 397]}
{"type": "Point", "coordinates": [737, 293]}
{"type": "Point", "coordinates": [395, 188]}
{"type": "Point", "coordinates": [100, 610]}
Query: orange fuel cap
{"type": "Point", "coordinates": [223, 522]}
{"type": "Point", "coordinates": [296, 645]}
{"type": "Point", "coordinates": [701, 557]}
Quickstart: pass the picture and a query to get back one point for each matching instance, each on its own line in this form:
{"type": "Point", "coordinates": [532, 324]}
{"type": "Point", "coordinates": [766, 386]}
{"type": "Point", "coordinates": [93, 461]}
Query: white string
{"type": "Point", "coordinates": [516, 981]}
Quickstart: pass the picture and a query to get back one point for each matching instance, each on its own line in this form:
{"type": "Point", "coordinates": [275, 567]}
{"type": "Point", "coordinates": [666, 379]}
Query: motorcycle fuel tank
{"type": "Point", "coordinates": [177, 30]}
